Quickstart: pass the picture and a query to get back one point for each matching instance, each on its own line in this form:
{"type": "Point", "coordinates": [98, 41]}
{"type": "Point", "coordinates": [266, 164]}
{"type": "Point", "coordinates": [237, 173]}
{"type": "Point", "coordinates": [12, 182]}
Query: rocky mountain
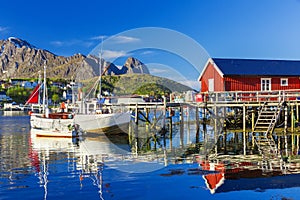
{"type": "Point", "coordinates": [133, 66]}
{"type": "Point", "coordinates": [20, 59]}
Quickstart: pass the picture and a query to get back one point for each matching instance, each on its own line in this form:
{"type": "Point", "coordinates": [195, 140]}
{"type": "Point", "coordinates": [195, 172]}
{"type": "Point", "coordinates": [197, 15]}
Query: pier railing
{"type": "Point", "coordinates": [249, 96]}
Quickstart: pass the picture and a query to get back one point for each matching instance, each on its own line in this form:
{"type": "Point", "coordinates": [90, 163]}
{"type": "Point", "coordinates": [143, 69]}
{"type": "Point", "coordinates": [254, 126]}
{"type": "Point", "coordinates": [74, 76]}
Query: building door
{"type": "Point", "coordinates": [211, 86]}
{"type": "Point", "coordinates": [265, 84]}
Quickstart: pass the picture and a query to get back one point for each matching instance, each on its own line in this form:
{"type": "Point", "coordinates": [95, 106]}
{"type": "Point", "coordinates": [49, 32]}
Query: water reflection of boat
{"type": "Point", "coordinates": [12, 113]}
{"type": "Point", "coordinates": [53, 144]}
{"type": "Point", "coordinates": [41, 151]}
{"type": "Point", "coordinates": [86, 156]}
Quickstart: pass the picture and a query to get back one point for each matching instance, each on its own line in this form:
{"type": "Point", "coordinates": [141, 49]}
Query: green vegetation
{"type": "Point", "coordinates": [55, 98]}
{"type": "Point", "coordinates": [18, 94]}
{"type": "Point", "coordinates": [153, 89]}
{"type": "Point", "coordinates": [143, 84]}
{"type": "Point", "coordinates": [140, 84]}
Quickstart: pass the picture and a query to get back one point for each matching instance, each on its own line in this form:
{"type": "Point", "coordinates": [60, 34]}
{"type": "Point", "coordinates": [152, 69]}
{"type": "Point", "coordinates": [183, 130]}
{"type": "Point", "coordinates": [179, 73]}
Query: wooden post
{"type": "Point", "coordinates": [136, 116]}
{"type": "Point", "coordinates": [244, 143]}
{"type": "Point", "coordinates": [171, 132]}
{"type": "Point", "coordinates": [130, 132]}
{"type": "Point", "coordinates": [252, 126]}
{"type": "Point", "coordinates": [197, 124]}
{"type": "Point", "coordinates": [292, 119]}
{"type": "Point", "coordinates": [286, 145]}
{"type": "Point", "coordinates": [181, 125]}
{"type": "Point", "coordinates": [293, 142]}
{"type": "Point", "coordinates": [170, 124]}
{"type": "Point", "coordinates": [285, 119]}
{"type": "Point", "coordinates": [204, 122]}
{"type": "Point", "coordinates": [279, 144]}
{"type": "Point", "coordinates": [297, 147]}
{"type": "Point", "coordinates": [136, 136]}
{"type": "Point", "coordinates": [215, 119]}
{"type": "Point", "coordinates": [244, 118]}
{"type": "Point", "coordinates": [252, 120]}
{"type": "Point", "coordinates": [147, 115]}
{"type": "Point", "coordinates": [224, 140]}
{"type": "Point", "coordinates": [188, 134]}
{"type": "Point", "coordinates": [297, 112]}
{"type": "Point", "coordinates": [164, 113]}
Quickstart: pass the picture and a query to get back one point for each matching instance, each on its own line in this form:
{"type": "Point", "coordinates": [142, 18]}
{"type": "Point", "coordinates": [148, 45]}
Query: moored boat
{"type": "Point", "coordinates": [48, 124]}
{"type": "Point", "coordinates": [96, 122]}
{"type": "Point", "coordinates": [94, 116]}
{"type": "Point", "coordinates": [54, 125]}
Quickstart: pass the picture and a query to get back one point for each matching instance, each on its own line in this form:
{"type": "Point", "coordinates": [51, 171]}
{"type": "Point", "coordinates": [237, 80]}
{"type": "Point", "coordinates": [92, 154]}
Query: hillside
{"type": "Point", "coordinates": [128, 84]}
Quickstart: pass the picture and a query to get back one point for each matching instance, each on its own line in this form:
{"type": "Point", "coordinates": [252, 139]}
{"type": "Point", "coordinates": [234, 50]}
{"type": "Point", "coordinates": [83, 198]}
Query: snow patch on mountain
{"type": "Point", "coordinates": [20, 43]}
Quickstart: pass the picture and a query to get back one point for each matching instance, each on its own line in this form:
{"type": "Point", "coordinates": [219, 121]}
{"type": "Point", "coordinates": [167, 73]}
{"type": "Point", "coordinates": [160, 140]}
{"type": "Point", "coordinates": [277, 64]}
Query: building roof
{"type": "Point", "coordinates": [258, 67]}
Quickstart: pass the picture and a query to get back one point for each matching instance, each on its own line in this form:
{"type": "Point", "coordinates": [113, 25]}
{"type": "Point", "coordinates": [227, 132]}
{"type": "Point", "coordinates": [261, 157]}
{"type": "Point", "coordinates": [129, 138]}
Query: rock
{"type": "Point", "coordinates": [20, 59]}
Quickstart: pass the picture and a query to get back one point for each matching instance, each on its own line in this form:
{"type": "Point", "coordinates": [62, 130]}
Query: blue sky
{"type": "Point", "coordinates": [264, 29]}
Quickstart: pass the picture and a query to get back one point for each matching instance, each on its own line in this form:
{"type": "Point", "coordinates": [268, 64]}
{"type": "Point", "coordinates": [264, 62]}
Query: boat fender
{"type": "Point", "coordinates": [70, 127]}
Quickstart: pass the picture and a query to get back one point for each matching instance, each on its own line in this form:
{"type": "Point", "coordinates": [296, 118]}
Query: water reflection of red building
{"type": "Point", "coordinates": [217, 172]}
{"type": "Point", "coordinates": [214, 179]}
{"type": "Point", "coordinates": [232, 175]}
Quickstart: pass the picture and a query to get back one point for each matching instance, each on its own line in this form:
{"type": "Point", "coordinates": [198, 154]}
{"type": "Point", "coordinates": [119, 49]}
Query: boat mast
{"type": "Point", "coordinates": [44, 90]}
{"type": "Point", "coordinates": [39, 89]}
{"type": "Point", "coordinates": [100, 69]}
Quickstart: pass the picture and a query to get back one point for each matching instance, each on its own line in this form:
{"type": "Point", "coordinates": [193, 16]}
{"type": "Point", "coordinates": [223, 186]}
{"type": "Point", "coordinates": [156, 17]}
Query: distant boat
{"type": "Point", "coordinates": [11, 107]}
{"type": "Point", "coordinates": [47, 124]}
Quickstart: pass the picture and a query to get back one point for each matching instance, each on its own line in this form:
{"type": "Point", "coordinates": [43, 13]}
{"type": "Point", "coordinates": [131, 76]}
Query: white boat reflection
{"type": "Point", "coordinates": [53, 144]}
{"type": "Point", "coordinates": [87, 157]}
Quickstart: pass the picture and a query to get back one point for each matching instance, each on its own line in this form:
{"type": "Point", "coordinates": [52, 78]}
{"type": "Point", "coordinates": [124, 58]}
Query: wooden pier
{"type": "Point", "coordinates": [221, 106]}
{"type": "Point", "coordinates": [223, 112]}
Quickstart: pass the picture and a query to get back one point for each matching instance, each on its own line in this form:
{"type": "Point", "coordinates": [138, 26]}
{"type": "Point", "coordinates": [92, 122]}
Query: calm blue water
{"type": "Point", "coordinates": [95, 168]}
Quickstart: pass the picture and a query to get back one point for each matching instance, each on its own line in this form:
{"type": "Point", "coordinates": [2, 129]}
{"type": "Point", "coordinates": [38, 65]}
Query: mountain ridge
{"type": "Point", "coordinates": [20, 59]}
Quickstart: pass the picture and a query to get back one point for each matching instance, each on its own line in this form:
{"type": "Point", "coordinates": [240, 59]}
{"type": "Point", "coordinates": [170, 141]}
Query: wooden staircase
{"type": "Point", "coordinates": [263, 134]}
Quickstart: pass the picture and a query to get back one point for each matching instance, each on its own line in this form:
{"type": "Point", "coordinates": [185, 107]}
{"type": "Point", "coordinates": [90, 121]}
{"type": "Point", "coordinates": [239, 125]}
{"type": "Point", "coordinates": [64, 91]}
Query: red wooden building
{"type": "Point", "coordinates": [249, 75]}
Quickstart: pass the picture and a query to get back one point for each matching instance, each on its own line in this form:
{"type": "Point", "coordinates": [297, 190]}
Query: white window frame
{"type": "Point", "coordinates": [211, 85]}
{"type": "Point", "coordinates": [265, 84]}
{"type": "Point", "coordinates": [286, 82]}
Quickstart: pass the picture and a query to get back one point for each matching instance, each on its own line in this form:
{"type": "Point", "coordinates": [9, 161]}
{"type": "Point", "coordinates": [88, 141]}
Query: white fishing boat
{"type": "Point", "coordinates": [54, 125]}
{"type": "Point", "coordinates": [47, 124]}
{"type": "Point", "coordinates": [95, 116]}
{"type": "Point", "coordinates": [103, 119]}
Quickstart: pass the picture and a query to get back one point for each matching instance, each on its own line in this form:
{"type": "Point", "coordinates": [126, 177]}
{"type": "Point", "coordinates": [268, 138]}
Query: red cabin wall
{"type": "Point", "coordinates": [211, 73]}
{"type": "Point", "coordinates": [246, 83]}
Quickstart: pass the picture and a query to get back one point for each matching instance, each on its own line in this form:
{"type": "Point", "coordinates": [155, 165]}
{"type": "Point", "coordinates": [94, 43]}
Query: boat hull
{"type": "Point", "coordinates": [53, 127]}
{"type": "Point", "coordinates": [103, 122]}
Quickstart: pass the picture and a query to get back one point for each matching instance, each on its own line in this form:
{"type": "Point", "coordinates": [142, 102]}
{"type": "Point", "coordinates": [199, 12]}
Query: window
{"type": "Point", "coordinates": [265, 84]}
{"type": "Point", "coordinates": [284, 82]}
{"type": "Point", "coordinates": [211, 86]}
